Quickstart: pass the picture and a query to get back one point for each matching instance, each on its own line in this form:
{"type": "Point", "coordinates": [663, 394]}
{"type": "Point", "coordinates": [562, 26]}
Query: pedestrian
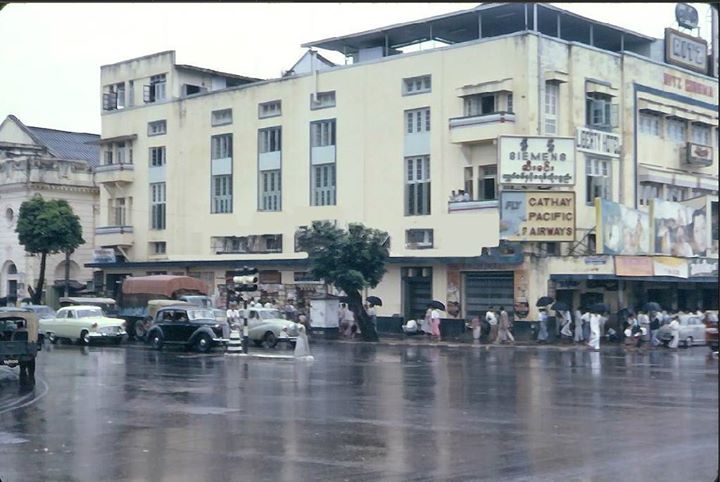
{"type": "Point", "coordinates": [543, 331]}
{"type": "Point", "coordinates": [435, 319]}
{"type": "Point", "coordinates": [675, 331]}
{"type": "Point", "coordinates": [566, 322]}
{"type": "Point", "coordinates": [426, 325]}
{"type": "Point", "coordinates": [655, 321]}
{"type": "Point", "coordinates": [594, 342]}
{"type": "Point", "coordinates": [302, 346]}
{"type": "Point", "coordinates": [578, 327]}
{"type": "Point", "coordinates": [342, 321]}
{"type": "Point", "coordinates": [476, 328]}
{"type": "Point", "coordinates": [504, 334]}
{"type": "Point", "coordinates": [586, 325]}
{"type": "Point", "coordinates": [644, 322]}
{"type": "Point", "coordinates": [491, 319]}
{"type": "Point", "coordinates": [372, 313]}
{"type": "Point", "coordinates": [233, 315]}
{"type": "Point", "coordinates": [290, 311]}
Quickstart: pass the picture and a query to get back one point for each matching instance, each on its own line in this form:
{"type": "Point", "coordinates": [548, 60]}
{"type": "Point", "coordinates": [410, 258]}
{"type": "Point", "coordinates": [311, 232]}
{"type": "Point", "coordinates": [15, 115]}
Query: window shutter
{"type": "Point", "coordinates": [614, 115]}
{"type": "Point", "coordinates": [148, 94]}
{"type": "Point", "coordinates": [110, 101]}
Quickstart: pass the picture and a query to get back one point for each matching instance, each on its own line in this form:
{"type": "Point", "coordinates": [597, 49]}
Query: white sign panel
{"type": "Point", "coordinates": [537, 161]}
{"type": "Point", "coordinates": [598, 142]}
{"type": "Point", "coordinates": [102, 255]}
{"type": "Point", "coordinates": [686, 51]}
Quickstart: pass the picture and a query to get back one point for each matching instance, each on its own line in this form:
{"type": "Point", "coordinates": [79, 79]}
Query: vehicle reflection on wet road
{"type": "Point", "coordinates": [363, 412]}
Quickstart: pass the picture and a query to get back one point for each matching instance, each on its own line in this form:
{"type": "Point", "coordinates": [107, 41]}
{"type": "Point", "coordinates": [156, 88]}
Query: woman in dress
{"type": "Point", "coordinates": [302, 347]}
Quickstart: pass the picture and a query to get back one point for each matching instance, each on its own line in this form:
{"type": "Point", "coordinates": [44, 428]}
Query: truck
{"type": "Point", "coordinates": [20, 341]}
{"type": "Point", "coordinates": [138, 291]}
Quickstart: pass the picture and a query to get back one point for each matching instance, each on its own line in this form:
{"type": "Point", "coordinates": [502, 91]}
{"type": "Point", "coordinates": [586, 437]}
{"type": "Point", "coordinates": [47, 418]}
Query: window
{"type": "Point", "coordinates": [270, 139]}
{"type": "Point", "coordinates": [322, 133]}
{"type": "Point", "coordinates": [650, 123]}
{"type": "Point", "coordinates": [417, 120]}
{"type": "Point", "coordinates": [417, 85]}
{"type": "Point", "coordinates": [598, 180]}
{"type": "Point", "coordinates": [157, 156]}
{"type": "Point", "coordinates": [487, 187]}
{"type": "Point", "coordinates": [701, 134]}
{"type": "Point", "coordinates": [469, 181]}
{"type": "Point", "coordinates": [158, 247]}
{"type": "Point", "coordinates": [483, 104]}
{"type": "Point", "coordinates": [323, 185]}
{"type": "Point", "coordinates": [221, 146]}
{"type": "Point", "coordinates": [109, 155]}
{"type": "Point", "coordinates": [157, 128]}
{"type": "Point", "coordinates": [600, 113]}
{"type": "Point", "coordinates": [676, 129]}
{"type": "Point", "coordinates": [418, 238]}
{"type": "Point", "coordinates": [157, 205]}
{"type": "Point", "coordinates": [221, 194]}
{"type": "Point", "coordinates": [265, 243]}
{"type": "Point", "coordinates": [417, 187]}
{"type": "Point", "coordinates": [270, 190]}
{"type": "Point", "coordinates": [155, 91]}
{"type": "Point", "coordinates": [120, 151]}
{"type": "Point", "coordinates": [118, 212]}
{"type": "Point", "coordinates": [648, 192]}
{"type": "Point", "coordinates": [324, 100]}
{"type": "Point", "coordinates": [221, 117]}
{"type": "Point", "coordinates": [270, 109]}
{"type": "Point", "coordinates": [114, 97]}
{"type": "Point", "coordinates": [552, 90]}
{"type": "Point", "coordinates": [675, 194]}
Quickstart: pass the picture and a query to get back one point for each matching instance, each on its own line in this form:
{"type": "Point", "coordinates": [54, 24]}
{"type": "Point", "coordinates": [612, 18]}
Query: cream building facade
{"type": "Point", "coordinates": [204, 172]}
{"type": "Point", "coordinates": [57, 165]}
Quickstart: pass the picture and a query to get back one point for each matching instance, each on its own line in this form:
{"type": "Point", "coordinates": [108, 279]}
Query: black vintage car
{"type": "Point", "coordinates": [190, 326]}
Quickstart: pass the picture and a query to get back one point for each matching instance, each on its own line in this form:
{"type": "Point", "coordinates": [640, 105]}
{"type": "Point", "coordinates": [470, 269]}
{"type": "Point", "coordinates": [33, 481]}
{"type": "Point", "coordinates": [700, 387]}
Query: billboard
{"type": "Point", "coordinates": [620, 229]}
{"type": "Point", "coordinates": [667, 266]}
{"type": "Point", "coordinates": [681, 228]}
{"type": "Point", "coordinates": [633, 266]}
{"type": "Point", "coordinates": [537, 215]}
{"type": "Point", "coordinates": [539, 161]}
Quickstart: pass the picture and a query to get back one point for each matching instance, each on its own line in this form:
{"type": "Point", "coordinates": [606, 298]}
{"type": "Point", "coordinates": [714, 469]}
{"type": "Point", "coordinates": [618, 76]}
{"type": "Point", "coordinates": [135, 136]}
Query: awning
{"type": "Point", "coordinates": [670, 107]}
{"type": "Point", "coordinates": [504, 85]}
{"type": "Point", "coordinates": [647, 174]}
{"type": "Point", "coordinates": [163, 285]}
{"type": "Point", "coordinates": [647, 105]}
{"type": "Point", "coordinates": [599, 87]}
{"type": "Point", "coordinates": [607, 277]}
{"type": "Point", "coordinates": [556, 76]}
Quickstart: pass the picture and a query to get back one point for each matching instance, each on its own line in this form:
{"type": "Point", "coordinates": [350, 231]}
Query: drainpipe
{"type": "Point", "coordinates": [541, 73]}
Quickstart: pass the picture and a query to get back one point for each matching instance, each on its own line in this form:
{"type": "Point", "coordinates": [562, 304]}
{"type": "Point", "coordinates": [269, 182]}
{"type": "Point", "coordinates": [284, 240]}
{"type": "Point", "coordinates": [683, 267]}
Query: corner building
{"type": "Point", "coordinates": [204, 172]}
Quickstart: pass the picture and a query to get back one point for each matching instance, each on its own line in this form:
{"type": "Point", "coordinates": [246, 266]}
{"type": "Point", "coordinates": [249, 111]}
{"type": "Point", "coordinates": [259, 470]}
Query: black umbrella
{"type": "Point", "coordinates": [599, 308]}
{"type": "Point", "coordinates": [560, 306]}
{"type": "Point", "coordinates": [437, 305]}
{"type": "Point", "coordinates": [651, 306]}
{"type": "Point", "coordinates": [544, 301]}
{"type": "Point", "coordinates": [374, 300]}
{"type": "Point", "coordinates": [625, 312]}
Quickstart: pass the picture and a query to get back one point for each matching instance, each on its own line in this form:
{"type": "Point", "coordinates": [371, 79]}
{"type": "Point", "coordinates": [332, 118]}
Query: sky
{"type": "Point", "coordinates": [50, 54]}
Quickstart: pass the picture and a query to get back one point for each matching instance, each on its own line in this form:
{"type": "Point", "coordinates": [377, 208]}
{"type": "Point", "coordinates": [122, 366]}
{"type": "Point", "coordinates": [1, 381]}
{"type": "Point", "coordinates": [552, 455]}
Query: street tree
{"type": "Point", "coordinates": [351, 260]}
{"type": "Point", "coordinates": [47, 227]}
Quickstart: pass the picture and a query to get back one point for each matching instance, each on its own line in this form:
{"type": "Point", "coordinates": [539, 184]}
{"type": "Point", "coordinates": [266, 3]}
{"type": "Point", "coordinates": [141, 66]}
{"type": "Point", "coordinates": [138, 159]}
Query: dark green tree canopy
{"type": "Point", "coordinates": [48, 226]}
{"type": "Point", "coordinates": [351, 260]}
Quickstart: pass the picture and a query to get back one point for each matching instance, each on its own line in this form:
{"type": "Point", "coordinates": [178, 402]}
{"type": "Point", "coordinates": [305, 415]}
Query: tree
{"type": "Point", "coordinates": [47, 227]}
{"type": "Point", "coordinates": [350, 260]}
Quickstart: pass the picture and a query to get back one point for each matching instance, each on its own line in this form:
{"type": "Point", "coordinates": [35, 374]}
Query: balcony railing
{"type": "Point", "coordinates": [123, 172]}
{"type": "Point", "coordinates": [480, 128]}
{"type": "Point", "coordinates": [114, 235]}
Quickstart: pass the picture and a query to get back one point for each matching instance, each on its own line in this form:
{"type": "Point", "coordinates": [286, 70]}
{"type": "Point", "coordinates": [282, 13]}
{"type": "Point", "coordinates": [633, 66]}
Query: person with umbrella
{"type": "Point", "coordinates": [373, 301]}
{"type": "Point", "coordinates": [578, 338]}
{"type": "Point", "coordinates": [491, 320]}
{"type": "Point", "coordinates": [435, 318]}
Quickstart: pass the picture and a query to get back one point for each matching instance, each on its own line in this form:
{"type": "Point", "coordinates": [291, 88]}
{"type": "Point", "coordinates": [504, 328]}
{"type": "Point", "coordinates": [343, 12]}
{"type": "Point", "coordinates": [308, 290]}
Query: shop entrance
{"type": "Point", "coordinates": [484, 289]}
{"type": "Point", "coordinates": [416, 292]}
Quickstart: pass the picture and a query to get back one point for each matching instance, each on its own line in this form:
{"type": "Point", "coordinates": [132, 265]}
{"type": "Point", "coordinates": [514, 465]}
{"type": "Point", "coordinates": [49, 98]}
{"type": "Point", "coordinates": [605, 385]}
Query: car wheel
{"type": "Point", "coordinates": [156, 340]}
{"type": "Point", "coordinates": [269, 340]}
{"type": "Point", "coordinates": [84, 337]}
{"type": "Point", "coordinates": [139, 329]}
{"type": "Point", "coordinates": [203, 343]}
{"type": "Point", "coordinates": [688, 342]}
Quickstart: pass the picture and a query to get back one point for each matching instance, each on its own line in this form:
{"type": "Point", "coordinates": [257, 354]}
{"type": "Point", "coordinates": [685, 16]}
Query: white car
{"type": "Point", "coordinates": [267, 327]}
{"type": "Point", "coordinates": [692, 331]}
{"type": "Point", "coordinates": [83, 323]}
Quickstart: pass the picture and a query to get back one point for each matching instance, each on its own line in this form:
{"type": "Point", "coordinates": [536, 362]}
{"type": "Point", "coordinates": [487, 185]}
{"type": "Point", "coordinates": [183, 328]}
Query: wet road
{"type": "Point", "coordinates": [363, 413]}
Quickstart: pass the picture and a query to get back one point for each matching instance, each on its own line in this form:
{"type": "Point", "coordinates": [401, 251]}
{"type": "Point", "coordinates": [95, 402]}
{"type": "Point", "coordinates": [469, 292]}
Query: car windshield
{"type": "Point", "coordinates": [88, 312]}
{"type": "Point", "coordinates": [269, 314]}
{"type": "Point", "coordinates": [200, 315]}
{"type": "Point", "coordinates": [44, 312]}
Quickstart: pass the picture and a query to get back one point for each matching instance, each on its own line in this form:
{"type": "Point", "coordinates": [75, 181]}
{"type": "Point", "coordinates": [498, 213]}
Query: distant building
{"type": "Point", "coordinates": [58, 165]}
{"type": "Point", "coordinates": [225, 176]}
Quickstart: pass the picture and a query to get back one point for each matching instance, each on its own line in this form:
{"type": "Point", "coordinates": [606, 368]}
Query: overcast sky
{"type": "Point", "coordinates": [50, 54]}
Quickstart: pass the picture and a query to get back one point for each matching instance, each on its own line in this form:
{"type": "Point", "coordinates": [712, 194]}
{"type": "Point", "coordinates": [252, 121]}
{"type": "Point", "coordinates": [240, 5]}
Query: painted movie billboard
{"type": "Point", "coordinates": [681, 228]}
{"type": "Point", "coordinates": [621, 230]}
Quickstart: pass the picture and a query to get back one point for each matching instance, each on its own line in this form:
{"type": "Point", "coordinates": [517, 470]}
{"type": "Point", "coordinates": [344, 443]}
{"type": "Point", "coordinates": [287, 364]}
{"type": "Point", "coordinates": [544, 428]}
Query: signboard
{"type": "Point", "coordinates": [539, 161]}
{"type": "Point", "coordinates": [598, 142]}
{"type": "Point", "coordinates": [686, 15]}
{"type": "Point", "coordinates": [581, 265]}
{"type": "Point", "coordinates": [681, 228]}
{"type": "Point", "coordinates": [699, 155]}
{"type": "Point", "coordinates": [686, 51]}
{"type": "Point", "coordinates": [689, 85]}
{"type": "Point", "coordinates": [633, 266]}
{"type": "Point", "coordinates": [104, 255]}
{"type": "Point", "coordinates": [667, 266]}
{"type": "Point", "coordinates": [703, 267]}
{"type": "Point", "coordinates": [537, 215]}
{"type": "Point", "coordinates": [620, 229]}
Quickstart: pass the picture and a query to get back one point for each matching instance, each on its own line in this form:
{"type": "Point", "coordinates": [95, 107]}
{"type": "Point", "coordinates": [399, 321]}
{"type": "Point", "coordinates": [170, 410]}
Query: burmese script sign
{"type": "Point", "coordinates": [540, 161]}
{"type": "Point", "coordinates": [537, 216]}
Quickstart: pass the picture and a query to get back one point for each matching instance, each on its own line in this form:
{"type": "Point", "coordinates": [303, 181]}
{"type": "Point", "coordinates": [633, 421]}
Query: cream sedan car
{"type": "Point", "coordinates": [84, 324]}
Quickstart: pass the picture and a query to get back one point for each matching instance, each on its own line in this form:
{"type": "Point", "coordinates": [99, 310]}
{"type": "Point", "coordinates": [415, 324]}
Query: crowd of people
{"type": "Point", "coordinates": [460, 195]}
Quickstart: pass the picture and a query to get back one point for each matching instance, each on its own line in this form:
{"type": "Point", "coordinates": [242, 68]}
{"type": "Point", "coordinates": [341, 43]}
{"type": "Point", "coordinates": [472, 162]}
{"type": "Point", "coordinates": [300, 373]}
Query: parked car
{"type": "Point", "coordinates": [108, 305]}
{"type": "Point", "coordinates": [83, 323]}
{"type": "Point", "coordinates": [193, 327]}
{"type": "Point", "coordinates": [20, 340]}
{"type": "Point", "coordinates": [711, 330]}
{"type": "Point", "coordinates": [43, 311]}
{"type": "Point", "coordinates": [266, 326]}
{"type": "Point", "coordinates": [692, 332]}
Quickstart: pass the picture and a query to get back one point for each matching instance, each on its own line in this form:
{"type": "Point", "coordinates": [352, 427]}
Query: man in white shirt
{"type": "Point", "coordinates": [492, 321]}
{"type": "Point", "coordinates": [233, 315]}
{"type": "Point", "coordinates": [435, 323]}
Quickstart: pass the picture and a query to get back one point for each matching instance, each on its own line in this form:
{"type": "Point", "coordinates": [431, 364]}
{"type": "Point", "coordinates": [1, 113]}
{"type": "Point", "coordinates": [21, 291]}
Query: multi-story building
{"type": "Point", "coordinates": [57, 165]}
{"type": "Point", "coordinates": [227, 168]}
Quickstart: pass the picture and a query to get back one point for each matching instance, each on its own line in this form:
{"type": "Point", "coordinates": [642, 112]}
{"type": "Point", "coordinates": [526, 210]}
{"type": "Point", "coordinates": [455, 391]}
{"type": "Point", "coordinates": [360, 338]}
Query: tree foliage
{"type": "Point", "coordinates": [350, 260]}
{"type": "Point", "coordinates": [47, 227]}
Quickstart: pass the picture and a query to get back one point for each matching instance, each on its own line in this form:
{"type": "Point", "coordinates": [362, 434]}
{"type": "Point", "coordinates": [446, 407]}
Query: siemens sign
{"type": "Point", "coordinates": [686, 51]}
